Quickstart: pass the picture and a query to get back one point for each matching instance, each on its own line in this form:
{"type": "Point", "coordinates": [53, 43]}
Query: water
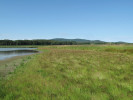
{"type": "Point", "coordinates": [6, 53]}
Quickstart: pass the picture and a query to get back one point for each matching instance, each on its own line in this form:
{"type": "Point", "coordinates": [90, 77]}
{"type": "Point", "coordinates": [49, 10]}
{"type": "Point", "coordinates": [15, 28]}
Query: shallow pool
{"type": "Point", "coordinates": [6, 53]}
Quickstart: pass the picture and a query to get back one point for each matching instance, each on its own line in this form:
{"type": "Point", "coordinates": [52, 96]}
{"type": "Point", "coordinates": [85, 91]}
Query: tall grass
{"type": "Point", "coordinates": [73, 73]}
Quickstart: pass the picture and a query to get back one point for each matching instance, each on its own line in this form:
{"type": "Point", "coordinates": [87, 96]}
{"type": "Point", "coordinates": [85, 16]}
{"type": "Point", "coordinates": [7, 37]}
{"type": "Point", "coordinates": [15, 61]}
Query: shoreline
{"type": "Point", "coordinates": [9, 65]}
{"type": "Point", "coordinates": [9, 60]}
{"type": "Point", "coordinates": [4, 61]}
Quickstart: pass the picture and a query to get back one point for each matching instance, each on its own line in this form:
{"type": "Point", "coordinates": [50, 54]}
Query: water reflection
{"type": "Point", "coordinates": [12, 52]}
{"type": "Point", "coordinates": [13, 49]}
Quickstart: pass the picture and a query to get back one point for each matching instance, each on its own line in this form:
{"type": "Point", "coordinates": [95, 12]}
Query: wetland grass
{"type": "Point", "coordinates": [73, 73]}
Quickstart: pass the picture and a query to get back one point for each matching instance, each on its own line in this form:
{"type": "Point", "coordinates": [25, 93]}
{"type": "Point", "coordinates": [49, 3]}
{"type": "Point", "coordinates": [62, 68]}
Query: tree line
{"type": "Point", "coordinates": [53, 42]}
{"type": "Point", "coordinates": [36, 42]}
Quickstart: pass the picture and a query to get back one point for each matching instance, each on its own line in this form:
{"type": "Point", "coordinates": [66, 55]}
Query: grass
{"type": "Point", "coordinates": [73, 73]}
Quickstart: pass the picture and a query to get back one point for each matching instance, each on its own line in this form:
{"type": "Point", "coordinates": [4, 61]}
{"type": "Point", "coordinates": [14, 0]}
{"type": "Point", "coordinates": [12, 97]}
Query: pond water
{"type": "Point", "coordinates": [6, 53]}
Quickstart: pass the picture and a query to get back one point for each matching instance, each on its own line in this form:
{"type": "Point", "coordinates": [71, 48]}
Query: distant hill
{"type": "Point", "coordinates": [78, 40]}
{"type": "Point", "coordinates": [57, 41]}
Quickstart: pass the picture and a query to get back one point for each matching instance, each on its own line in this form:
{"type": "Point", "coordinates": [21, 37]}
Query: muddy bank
{"type": "Point", "coordinates": [9, 65]}
{"type": "Point", "coordinates": [2, 62]}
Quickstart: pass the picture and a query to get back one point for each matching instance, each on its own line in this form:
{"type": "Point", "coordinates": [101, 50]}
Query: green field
{"type": "Point", "coordinates": [86, 72]}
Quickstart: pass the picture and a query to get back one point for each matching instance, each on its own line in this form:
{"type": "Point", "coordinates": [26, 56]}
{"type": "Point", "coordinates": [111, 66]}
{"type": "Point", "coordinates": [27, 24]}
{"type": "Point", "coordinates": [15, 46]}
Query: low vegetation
{"type": "Point", "coordinates": [73, 73]}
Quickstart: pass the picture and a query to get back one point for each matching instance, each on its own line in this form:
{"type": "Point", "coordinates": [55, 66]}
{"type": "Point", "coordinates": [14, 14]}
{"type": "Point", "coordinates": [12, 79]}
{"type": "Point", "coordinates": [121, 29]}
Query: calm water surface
{"type": "Point", "coordinates": [6, 53]}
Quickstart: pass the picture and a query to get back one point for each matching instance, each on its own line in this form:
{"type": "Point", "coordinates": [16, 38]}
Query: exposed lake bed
{"type": "Point", "coordinates": [10, 58]}
{"type": "Point", "coordinates": [9, 65]}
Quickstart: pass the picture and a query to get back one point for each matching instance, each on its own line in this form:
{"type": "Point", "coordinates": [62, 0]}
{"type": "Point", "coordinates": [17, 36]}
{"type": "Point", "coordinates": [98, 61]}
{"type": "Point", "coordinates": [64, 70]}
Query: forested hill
{"type": "Point", "coordinates": [57, 41]}
{"type": "Point", "coordinates": [85, 41]}
{"type": "Point", "coordinates": [80, 40]}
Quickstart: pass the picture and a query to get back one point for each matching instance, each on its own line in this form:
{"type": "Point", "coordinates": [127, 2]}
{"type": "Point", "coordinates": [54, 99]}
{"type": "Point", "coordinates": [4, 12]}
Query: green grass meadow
{"type": "Point", "coordinates": [80, 72]}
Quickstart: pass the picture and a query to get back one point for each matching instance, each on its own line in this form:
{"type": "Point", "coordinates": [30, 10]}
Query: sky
{"type": "Point", "coordinates": [107, 20]}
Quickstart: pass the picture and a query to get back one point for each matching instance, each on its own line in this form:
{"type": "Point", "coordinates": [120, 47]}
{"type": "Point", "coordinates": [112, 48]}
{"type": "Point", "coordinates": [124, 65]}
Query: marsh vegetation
{"type": "Point", "coordinates": [73, 73]}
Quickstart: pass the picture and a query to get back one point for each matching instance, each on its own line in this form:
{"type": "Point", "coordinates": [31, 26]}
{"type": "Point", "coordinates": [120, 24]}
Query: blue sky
{"type": "Point", "coordinates": [108, 20]}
